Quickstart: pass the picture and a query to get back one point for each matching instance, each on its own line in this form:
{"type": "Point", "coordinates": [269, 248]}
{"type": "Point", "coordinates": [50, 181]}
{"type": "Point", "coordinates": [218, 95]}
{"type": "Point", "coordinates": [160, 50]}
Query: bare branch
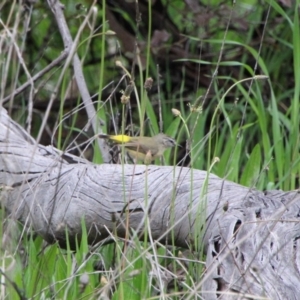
{"type": "Point", "coordinates": [70, 46]}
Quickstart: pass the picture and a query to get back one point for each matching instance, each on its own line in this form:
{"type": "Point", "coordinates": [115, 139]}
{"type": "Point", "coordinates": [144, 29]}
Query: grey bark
{"type": "Point", "coordinates": [250, 238]}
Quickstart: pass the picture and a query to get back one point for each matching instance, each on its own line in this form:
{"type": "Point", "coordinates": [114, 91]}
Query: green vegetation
{"type": "Point", "coordinates": [210, 64]}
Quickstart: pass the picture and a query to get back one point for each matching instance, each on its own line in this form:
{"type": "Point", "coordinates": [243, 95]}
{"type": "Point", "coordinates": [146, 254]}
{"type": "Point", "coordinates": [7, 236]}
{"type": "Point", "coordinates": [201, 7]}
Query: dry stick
{"type": "Point", "coordinates": [31, 93]}
{"type": "Point", "coordinates": [21, 50]}
{"type": "Point", "coordinates": [21, 62]}
{"type": "Point", "coordinates": [57, 9]}
{"type": "Point", "coordinates": [37, 76]}
{"type": "Point", "coordinates": [161, 124]}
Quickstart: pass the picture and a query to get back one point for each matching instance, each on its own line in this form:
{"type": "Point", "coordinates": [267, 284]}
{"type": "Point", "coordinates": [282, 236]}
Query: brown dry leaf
{"type": "Point", "coordinates": [159, 38]}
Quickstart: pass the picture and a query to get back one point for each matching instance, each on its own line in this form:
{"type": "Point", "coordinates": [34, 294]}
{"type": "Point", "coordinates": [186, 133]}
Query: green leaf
{"type": "Point", "coordinates": [252, 168]}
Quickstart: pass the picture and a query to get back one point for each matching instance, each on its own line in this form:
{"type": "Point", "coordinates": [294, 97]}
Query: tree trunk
{"type": "Point", "coordinates": [250, 238]}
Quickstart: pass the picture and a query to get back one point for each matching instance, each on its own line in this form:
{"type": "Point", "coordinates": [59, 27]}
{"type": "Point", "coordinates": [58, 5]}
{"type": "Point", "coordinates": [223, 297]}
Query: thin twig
{"type": "Point", "coordinates": [37, 76]}
{"type": "Point", "coordinates": [12, 34]}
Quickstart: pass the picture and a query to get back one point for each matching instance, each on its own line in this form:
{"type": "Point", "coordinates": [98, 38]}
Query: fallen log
{"type": "Point", "coordinates": [250, 238]}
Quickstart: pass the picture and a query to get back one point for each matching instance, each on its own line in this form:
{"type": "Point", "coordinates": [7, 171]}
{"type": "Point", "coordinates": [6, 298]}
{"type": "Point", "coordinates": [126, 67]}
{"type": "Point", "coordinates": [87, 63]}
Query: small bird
{"type": "Point", "coordinates": [142, 147]}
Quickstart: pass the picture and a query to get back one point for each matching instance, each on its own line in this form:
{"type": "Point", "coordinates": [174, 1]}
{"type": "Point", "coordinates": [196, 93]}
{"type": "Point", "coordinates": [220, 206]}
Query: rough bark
{"type": "Point", "coordinates": [250, 238]}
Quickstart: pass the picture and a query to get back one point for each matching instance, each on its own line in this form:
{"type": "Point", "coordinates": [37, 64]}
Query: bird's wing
{"type": "Point", "coordinates": [139, 148]}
